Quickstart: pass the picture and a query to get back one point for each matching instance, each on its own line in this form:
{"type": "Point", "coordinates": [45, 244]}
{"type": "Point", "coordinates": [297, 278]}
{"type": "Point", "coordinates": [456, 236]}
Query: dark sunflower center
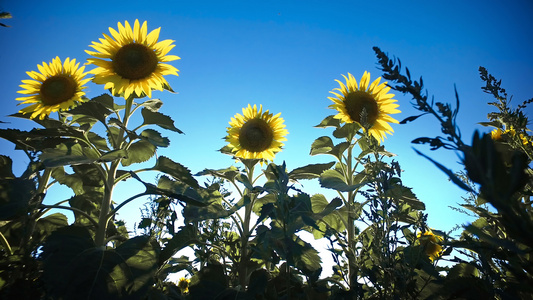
{"type": "Point", "coordinates": [256, 135]}
{"type": "Point", "coordinates": [134, 61]}
{"type": "Point", "coordinates": [362, 108]}
{"type": "Point", "coordinates": [57, 89]}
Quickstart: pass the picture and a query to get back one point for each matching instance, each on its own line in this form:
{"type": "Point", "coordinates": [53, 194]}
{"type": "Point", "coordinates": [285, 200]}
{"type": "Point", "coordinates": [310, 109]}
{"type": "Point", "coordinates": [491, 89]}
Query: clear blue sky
{"type": "Point", "coordinates": [286, 56]}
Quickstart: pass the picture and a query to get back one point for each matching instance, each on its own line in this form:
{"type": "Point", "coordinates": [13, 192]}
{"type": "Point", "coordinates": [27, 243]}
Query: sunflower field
{"type": "Point", "coordinates": [243, 224]}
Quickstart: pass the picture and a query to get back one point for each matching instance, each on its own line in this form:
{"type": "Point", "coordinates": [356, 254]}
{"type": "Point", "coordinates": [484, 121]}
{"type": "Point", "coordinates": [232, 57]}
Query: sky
{"type": "Point", "coordinates": [286, 56]}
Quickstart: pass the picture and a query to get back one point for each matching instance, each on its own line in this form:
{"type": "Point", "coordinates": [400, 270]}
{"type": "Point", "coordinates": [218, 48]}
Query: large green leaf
{"type": "Point", "coordinates": [329, 121]}
{"type": "Point", "coordinates": [68, 154]}
{"type": "Point", "coordinates": [326, 214]}
{"type": "Point", "coordinates": [181, 239]}
{"type": "Point", "coordinates": [139, 152]}
{"type": "Point", "coordinates": [176, 170]}
{"type": "Point", "coordinates": [227, 173]}
{"type": "Point", "coordinates": [181, 191]}
{"type": "Point", "coordinates": [152, 104]}
{"type": "Point", "coordinates": [333, 179]}
{"type": "Point", "coordinates": [92, 109]}
{"type": "Point", "coordinates": [15, 193]}
{"type": "Point", "coordinates": [155, 138]}
{"type": "Point", "coordinates": [159, 119]}
{"type": "Point", "coordinates": [321, 145]}
{"type": "Point", "coordinates": [309, 171]}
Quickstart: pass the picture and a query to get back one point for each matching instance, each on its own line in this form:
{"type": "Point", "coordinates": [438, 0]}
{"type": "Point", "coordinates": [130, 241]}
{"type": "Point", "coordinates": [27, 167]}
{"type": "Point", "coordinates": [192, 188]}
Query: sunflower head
{"type": "Point", "coordinates": [131, 62]}
{"type": "Point", "coordinates": [183, 285]}
{"type": "Point", "coordinates": [367, 104]}
{"type": "Point", "coordinates": [57, 86]}
{"type": "Point", "coordinates": [256, 134]}
{"type": "Point", "coordinates": [431, 244]}
{"type": "Point", "coordinates": [496, 134]}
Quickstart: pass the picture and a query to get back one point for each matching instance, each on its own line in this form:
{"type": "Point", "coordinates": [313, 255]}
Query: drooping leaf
{"type": "Point", "coordinates": [329, 121]}
{"type": "Point", "coordinates": [309, 171]}
{"type": "Point", "coordinates": [159, 119]}
{"type": "Point", "coordinates": [93, 109]}
{"type": "Point", "coordinates": [68, 154]}
{"type": "Point", "coordinates": [155, 138]}
{"type": "Point", "coordinates": [181, 239]}
{"type": "Point", "coordinates": [176, 170]}
{"type": "Point", "coordinates": [411, 118]}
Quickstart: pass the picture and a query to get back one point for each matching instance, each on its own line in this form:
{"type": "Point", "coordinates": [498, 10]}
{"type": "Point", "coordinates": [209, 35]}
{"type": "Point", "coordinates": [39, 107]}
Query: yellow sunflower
{"type": "Point", "coordinates": [183, 285]}
{"type": "Point", "coordinates": [57, 86]}
{"type": "Point", "coordinates": [137, 61]}
{"type": "Point", "coordinates": [496, 134]}
{"type": "Point", "coordinates": [431, 243]}
{"type": "Point", "coordinates": [256, 134]}
{"type": "Point", "coordinates": [367, 104]}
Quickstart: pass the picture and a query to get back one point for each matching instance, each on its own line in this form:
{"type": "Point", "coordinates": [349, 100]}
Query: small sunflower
{"type": "Point", "coordinates": [183, 285]}
{"type": "Point", "coordinates": [58, 86]}
{"type": "Point", "coordinates": [430, 242]}
{"type": "Point", "coordinates": [137, 61]}
{"type": "Point", "coordinates": [367, 104]}
{"type": "Point", "coordinates": [256, 134]}
{"type": "Point", "coordinates": [496, 134]}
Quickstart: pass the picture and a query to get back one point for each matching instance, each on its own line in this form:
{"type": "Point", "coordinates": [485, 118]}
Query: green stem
{"type": "Point", "coordinates": [243, 264]}
{"type": "Point", "coordinates": [5, 243]}
{"type": "Point", "coordinates": [100, 237]}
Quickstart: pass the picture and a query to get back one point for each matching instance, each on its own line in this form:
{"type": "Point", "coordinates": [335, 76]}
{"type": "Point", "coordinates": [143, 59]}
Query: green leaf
{"type": "Point", "coordinates": [347, 131]}
{"type": "Point", "coordinates": [321, 145]}
{"type": "Point", "coordinates": [182, 192]}
{"type": "Point", "coordinates": [155, 138]}
{"type": "Point", "coordinates": [67, 154]}
{"type": "Point", "coordinates": [48, 224]}
{"type": "Point", "coordinates": [126, 272]}
{"type": "Point", "coordinates": [181, 239]}
{"type": "Point", "coordinates": [329, 121]}
{"type": "Point", "coordinates": [213, 210]}
{"type": "Point", "coordinates": [333, 179]}
{"type": "Point", "coordinates": [176, 170]}
{"type": "Point", "coordinates": [93, 109]}
{"type": "Point", "coordinates": [113, 155]}
{"type": "Point", "coordinates": [108, 102]}
{"type": "Point", "coordinates": [152, 104]}
{"type": "Point", "coordinates": [326, 215]}
{"type": "Point", "coordinates": [139, 152]}
{"type": "Point", "coordinates": [159, 119]}
{"type": "Point", "coordinates": [309, 171]}
{"type": "Point", "coordinates": [98, 141]}
{"type": "Point", "coordinates": [227, 173]}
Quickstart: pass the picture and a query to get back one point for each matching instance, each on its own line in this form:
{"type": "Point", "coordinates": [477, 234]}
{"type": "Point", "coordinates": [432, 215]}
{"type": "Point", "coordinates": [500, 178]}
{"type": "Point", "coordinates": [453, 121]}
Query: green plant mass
{"type": "Point", "coordinates": [245, 225]}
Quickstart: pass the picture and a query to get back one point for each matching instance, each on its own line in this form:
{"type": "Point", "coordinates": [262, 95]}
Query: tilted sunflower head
{"type": "Point", "coordinates": [183, 285]}
{"type": "Point", "coordinates": [132, 61]}
{"type": "Point", "coordinates": [56, 87]}
{"type": "Point", "coordinates": [367, 104]}
{"type": "Point", "coordinates": [256, 134]}
{"type": "Point", "coordinates": [431, 244]}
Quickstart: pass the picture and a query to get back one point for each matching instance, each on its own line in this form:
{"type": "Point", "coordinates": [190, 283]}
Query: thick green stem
{"type": "Point", "coordinates": [244, 259]}
{"type": "Point", "coordinates": [105, 208]}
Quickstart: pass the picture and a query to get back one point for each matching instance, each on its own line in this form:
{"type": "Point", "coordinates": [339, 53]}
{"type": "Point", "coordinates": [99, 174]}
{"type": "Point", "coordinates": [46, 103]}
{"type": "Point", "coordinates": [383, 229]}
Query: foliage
{"type": "Point", "coordinates": [247, 224]}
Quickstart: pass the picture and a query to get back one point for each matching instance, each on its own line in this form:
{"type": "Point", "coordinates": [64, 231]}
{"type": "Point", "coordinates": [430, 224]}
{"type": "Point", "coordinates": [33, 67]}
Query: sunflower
{"type": "Point", "coordinates": [256, 134]}
{"type": "Point", "coordinates": [496, 134]}
{"type": "Point", "coordinates": [430, 242]}
{"type": "Point", "coordinates": [137, 61]}
{"type": "Point", "coordinates": [58, 86]}
{"type": "Point", "coordinates": [366, 104]}
{"type": "Point", "coordinates": [183, 285]}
